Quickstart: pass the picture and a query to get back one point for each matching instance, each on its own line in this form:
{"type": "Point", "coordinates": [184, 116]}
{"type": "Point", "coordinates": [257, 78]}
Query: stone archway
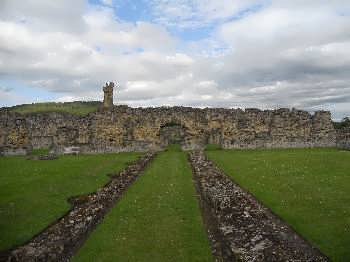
{"type": "Point", "coordinates": [172, 133]}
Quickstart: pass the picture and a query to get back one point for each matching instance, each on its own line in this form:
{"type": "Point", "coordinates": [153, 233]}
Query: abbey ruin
{"type": "Point", "coordinates": [122, 128]}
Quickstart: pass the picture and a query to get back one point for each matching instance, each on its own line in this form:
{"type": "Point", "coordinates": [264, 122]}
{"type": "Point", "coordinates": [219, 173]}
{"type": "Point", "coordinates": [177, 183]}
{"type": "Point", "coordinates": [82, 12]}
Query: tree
{"type": "Point", "coordinates": [342, 124]}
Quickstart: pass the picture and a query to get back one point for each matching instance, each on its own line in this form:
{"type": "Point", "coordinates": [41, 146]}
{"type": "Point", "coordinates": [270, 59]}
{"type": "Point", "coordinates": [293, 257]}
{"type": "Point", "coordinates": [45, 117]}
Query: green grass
{"type": "Point", "coordinates": [75, 108]}
{"type": "Point", "coordinates": [309, 188]}
{"type": "Point", "coordinates": [158, 219]}
{"type": "Point", "coordinates": [40, 151]}
{"type": "Point", "coordinates": [211, 147]}
{"type": "Point", "coordinates": [33, 194]}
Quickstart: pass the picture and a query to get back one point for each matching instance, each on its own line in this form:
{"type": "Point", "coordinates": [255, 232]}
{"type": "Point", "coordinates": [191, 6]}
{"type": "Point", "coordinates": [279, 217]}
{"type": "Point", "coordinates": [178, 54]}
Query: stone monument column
{"type": "Point", "coordinates": [108, 95]}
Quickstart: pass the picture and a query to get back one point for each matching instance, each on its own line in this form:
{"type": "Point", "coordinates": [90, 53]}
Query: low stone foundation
{"type": "Point", "coordinates": [245, 229]}
{"type": "Point", "coordinates": [61, 240]}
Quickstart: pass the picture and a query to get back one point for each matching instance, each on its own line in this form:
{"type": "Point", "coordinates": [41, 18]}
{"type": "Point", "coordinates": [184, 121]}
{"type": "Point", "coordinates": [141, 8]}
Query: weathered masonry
{"type": "Point", "coordinates": [343, 138]}
{"type": "Point", "coordinates": [126, 129]}
{"type": "Point", "coordinates": [122, 128]}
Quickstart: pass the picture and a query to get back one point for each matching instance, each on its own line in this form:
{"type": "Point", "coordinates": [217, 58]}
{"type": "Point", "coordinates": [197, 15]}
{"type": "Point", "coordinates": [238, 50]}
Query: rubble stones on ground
{"type": "Point", "coordinates": [50, 156]}
{"type": "Point", "coordinates": [71, 150]}
{"type": "Point", "coordinates": [250, 230]}
{"type": "Point", "coordinates": [62, 239]}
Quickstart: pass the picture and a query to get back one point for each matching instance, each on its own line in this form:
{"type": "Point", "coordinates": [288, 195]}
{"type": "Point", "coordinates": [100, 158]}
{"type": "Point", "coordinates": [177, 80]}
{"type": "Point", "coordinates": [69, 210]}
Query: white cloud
{"type": "Point", "coordinates": [57, 60]}
{"type": "Point", "coordinates": [45, 15]}
{"type": "Point", "coordinates": [285, 53]}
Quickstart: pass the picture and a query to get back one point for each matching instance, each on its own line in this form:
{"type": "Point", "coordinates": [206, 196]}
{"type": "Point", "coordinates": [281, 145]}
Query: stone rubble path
{"type": "Point", "coordinates": [63, 238]}
{"type": "Point", "coordinates": [241, 228]}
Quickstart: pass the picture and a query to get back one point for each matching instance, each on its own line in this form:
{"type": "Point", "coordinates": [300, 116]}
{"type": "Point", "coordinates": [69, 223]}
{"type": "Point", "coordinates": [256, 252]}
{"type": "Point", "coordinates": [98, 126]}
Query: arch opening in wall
{"type": "Point", "coordinates": [172, 133]}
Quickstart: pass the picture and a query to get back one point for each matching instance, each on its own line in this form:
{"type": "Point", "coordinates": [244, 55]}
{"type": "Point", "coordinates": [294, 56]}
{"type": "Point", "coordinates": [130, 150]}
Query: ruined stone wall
{"type": "Point", "coordinates": [108, 95]}
{"type": "Point", "coordinates": [138, 129]}
{"type": "Point", "coordinates": [343, 138]}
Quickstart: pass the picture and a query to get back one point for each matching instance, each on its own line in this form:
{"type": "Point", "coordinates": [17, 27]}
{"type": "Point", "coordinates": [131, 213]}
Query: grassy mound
{"type": "Point", "coordinates": [76, 108]}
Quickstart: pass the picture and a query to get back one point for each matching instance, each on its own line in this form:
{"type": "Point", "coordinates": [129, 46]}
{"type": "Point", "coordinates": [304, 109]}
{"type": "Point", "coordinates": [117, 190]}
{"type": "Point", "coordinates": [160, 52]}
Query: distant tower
{"type": "Point", "coordinates": [108, 95]}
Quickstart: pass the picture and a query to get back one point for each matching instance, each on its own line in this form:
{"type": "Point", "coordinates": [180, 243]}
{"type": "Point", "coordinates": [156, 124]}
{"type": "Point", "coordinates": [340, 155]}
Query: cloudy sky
{"type": "Point", "coordinates": [219, 53]}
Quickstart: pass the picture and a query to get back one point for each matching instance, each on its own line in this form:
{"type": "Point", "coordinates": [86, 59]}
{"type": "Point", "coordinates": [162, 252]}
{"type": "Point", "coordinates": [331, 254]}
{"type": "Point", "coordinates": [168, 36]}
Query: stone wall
{"type": "Point", "coordinates": [343, 138]}
{"type": "Point", "coordinates": [123, 128]}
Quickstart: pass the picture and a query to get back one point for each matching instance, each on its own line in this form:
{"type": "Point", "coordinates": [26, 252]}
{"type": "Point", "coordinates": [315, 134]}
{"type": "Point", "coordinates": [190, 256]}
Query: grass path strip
{"type": "Point", "coordinates": [158, 219]}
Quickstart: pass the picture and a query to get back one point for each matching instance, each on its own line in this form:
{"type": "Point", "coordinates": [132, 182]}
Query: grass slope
{"type": "Point", "coordinates": [76, 108]}
{"type": "Point", "coordinates": [309, 188]}
{"type": "Point", "coordinates": [158, 219]}
{"type": "Point", "coordinates": [34, 193]}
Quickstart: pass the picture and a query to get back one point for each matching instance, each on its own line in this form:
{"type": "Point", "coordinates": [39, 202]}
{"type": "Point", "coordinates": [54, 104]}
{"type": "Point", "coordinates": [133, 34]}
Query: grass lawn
{"type": "Point", "coordinates": [309, 188]}
{"type": "Point", "coordinates": [158, 219]}
{"type": "Point", "coordinates": [34, 193]}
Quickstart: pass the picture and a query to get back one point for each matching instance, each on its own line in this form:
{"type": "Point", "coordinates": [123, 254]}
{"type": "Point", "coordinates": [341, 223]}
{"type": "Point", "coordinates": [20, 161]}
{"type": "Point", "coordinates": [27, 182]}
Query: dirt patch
{"type": "Point", "coordinates": [63, 238]}
{"type": "Point", "coordinates": [243, 225]}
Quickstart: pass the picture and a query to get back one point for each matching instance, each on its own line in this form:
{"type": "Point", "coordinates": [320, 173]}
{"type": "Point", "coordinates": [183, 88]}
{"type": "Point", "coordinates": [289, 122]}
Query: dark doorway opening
{"type": "Point", "coordinates": [172, 133]}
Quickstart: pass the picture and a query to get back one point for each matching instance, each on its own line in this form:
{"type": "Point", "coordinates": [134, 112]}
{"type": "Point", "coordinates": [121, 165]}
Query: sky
{"type": "Point", "coordinates": [262, 54]}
